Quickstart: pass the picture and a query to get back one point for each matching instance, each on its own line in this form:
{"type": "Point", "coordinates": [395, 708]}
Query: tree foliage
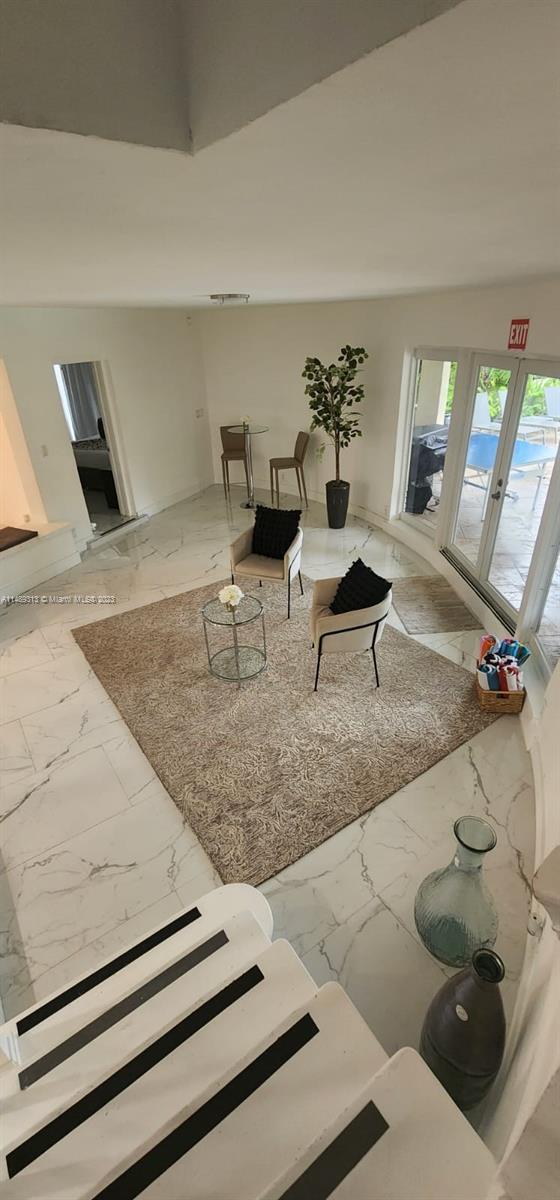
{"type": "Point", "coordinates": [333, 394]}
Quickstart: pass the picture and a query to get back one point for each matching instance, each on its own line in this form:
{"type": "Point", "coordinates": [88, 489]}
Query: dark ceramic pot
{"type": "Point", "coordinates": [337, 503]}
{"type": "Point", "coordinates": [464, 1033]}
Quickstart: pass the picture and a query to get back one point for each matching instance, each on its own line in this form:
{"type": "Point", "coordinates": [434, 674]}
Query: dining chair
{"type": "Point", "coordinates": [233, 450]}
{"type": "Point", "coordinates": [295, 463]}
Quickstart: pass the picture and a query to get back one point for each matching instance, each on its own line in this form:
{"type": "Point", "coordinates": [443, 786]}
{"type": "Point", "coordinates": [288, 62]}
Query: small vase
{"type": "Point", "coordinates": [463, 1035]}
{"type": "Point", "coordinates": [453, 910]}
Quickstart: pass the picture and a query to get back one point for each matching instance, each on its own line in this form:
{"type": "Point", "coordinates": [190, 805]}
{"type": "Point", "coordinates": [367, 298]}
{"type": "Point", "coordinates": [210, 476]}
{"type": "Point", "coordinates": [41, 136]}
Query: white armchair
{"type": "Point", "coordinates": [257, 566]}
{"type": "Point", "coordinates": [349, 632]}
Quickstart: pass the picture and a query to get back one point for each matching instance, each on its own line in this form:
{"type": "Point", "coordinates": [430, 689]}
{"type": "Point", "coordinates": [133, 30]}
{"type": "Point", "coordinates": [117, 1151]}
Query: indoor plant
{"type": "Point", "coordinates": [333, 392]}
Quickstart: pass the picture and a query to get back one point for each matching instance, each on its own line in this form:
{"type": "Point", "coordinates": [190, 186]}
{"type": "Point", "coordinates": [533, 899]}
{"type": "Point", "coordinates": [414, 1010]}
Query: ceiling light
{"type": "Point", "coordinates": [229, 297]}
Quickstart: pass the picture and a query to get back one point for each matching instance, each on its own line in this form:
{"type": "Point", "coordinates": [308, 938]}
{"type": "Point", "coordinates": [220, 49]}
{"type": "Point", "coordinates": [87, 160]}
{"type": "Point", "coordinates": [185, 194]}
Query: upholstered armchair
{"type": "Point", "coordinates": [257, 566]}
{"type": "Point", "coordinates": [348, 632]}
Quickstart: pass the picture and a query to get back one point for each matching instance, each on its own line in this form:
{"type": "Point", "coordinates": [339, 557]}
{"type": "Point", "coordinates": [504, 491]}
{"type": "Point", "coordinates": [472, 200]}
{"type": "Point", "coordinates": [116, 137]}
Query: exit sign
{"type": "Point", "coordinates": [518, 331]}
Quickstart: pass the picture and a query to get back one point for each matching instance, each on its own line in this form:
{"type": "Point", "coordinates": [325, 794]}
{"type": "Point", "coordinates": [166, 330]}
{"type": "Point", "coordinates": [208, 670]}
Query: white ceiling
{"type": "Point", "coordinates": [432, 162]}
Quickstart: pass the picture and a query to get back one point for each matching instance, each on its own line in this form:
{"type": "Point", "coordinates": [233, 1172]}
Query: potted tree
{"type": "Point", "coordinates": [333, 393]}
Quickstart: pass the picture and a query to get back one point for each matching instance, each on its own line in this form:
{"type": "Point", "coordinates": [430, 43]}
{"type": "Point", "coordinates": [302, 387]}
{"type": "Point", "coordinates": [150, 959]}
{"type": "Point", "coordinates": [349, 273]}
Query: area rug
{"type": "Point", "coordinates": [427, 604]}
{"type": "Point", "coordinates": [265, 773]}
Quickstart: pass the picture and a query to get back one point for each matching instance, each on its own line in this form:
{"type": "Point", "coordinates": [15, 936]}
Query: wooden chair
{"type": "Point", "coordinates": [291, 464]}
{"type": "Point", "coordinates": [233, 450]}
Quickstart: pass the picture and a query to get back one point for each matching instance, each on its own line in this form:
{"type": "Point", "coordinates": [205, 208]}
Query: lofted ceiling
{"type": "Point", "coordinates": [431, 162]}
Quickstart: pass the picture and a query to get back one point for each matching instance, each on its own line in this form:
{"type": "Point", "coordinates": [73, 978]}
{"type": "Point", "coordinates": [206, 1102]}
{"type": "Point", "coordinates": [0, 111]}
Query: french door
{"type": "Point", "coordinates": [505, 491]}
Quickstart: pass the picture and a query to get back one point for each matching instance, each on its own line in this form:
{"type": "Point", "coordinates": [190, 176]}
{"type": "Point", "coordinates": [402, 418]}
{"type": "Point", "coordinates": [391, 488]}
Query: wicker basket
{"type": "Point", "coordinates": [499, 702]}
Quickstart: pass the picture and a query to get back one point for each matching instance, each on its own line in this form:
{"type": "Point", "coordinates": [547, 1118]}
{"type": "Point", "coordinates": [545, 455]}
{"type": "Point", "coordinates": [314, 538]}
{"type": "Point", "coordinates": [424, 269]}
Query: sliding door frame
{"type": "Point", "coordinates": [544, 557]}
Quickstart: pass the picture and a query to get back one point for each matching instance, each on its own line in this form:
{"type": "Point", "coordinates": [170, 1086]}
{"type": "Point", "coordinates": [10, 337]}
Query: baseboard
{"type": "Point", "coordinates": [149, 510]}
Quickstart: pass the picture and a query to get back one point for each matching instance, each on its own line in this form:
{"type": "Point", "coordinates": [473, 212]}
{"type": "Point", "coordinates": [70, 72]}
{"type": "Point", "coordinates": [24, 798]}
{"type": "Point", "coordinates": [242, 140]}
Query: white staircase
{"type": "Point", "coordinates": [203, 1063]}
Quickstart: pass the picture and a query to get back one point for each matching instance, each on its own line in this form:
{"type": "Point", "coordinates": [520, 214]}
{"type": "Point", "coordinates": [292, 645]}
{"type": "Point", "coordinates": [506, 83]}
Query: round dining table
{"type": "Point", "coordinates": [249, 431]}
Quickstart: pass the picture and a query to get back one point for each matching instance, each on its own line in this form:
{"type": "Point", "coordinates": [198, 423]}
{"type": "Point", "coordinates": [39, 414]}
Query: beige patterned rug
{"type": "Point", "coordinates": [427, 604]}
{"type": "Point", "coordinates": [266, 773]}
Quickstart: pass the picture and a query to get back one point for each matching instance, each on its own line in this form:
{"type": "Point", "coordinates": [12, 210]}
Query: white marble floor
{"type": "Point", "coordinates": [94, 850]}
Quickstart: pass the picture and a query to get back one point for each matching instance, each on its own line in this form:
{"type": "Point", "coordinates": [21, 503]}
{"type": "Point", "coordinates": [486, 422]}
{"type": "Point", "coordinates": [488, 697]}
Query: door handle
{"type": "Point", "coordinates": [496, 495]}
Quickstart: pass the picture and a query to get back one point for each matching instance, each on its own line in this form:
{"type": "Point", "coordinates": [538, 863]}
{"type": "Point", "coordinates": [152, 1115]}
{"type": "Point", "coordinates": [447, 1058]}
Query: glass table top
{"type": "Point", "coordinates": [247, 609]}
{"type": "Point", "coordinates": [248, 428]}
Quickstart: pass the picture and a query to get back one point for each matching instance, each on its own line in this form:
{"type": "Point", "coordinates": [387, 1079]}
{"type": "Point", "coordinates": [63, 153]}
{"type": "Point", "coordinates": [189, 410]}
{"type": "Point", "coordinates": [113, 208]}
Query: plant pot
{"type": "Point", "coordinates": [463, 1035]}
{"type": "Point", "coordinates": [337, 503]}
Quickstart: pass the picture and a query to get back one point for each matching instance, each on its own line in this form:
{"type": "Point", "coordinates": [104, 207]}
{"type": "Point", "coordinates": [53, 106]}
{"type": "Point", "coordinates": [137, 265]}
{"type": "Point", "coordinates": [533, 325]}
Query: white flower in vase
{"type": "Point", "coordinates": [230, 596]}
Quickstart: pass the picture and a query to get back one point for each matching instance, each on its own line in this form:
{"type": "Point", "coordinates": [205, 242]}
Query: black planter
{"type": "Point", "coordinates": [464, 1031]}
{"type": "Point", "coordinates": [337, 502]}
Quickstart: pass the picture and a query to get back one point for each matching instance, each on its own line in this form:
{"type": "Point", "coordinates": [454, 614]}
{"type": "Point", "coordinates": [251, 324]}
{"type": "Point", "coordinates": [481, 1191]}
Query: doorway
{"type": "Point", "coordinates": [80, 395]}
{"type": "Point", "coordinates": [506, 488]}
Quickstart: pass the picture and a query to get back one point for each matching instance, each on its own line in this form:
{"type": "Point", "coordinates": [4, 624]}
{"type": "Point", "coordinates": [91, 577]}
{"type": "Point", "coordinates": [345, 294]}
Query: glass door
{"type": "Point", "coordinates": [509, 452]}
{"type": "Point", "coordinates": [492, 390]}
{"type": "Point", "coordinates": [527, 472]}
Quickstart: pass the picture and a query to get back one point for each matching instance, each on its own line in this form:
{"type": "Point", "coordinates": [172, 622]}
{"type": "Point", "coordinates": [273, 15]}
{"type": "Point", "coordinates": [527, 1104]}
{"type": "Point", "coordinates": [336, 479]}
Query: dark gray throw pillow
{"type": "Point", "coordinates": [275, 530]}
{"type": "Point", "coordinates": [360, 588]}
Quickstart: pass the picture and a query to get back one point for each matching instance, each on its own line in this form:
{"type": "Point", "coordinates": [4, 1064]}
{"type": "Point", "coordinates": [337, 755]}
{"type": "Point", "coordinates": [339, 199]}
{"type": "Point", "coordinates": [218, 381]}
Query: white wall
{"type": "Point", "coordinates": [152, 368]}
{"type": "Point", "coordinates": [20, 499]}
{"type": "Point", "coordinates": [254, 358]}
{"type": "Point", "coordinates": [533, 1054]}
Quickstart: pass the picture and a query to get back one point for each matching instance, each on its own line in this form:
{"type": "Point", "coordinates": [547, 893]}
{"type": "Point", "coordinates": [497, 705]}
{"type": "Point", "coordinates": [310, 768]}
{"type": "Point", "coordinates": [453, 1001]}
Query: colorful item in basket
{"type": "Point", "coordinates": [499, 664]}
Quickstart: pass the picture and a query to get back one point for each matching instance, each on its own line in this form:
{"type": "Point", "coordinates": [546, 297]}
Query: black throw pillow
{"type": "Point", "coordinates": [360, 588]}
{"type": "Point", "coordinates": [275, 530]}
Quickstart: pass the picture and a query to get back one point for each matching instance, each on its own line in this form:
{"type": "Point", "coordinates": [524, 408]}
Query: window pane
{"type": "Point", "coordinates": [534, 452]}
{"type": "Point", "coordinates": [488, 411]}
{"type": "Point", "coordinates": [433, 403]}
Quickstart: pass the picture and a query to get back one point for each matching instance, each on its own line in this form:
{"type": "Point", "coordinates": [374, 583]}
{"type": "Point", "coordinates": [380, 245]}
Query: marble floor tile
{"type": "Point", "coordinates": [389, 976]}
{"type": "Point", "coordinates": [321, 891]}
{"type": "Point", "coordinates": [80, 791]}
{"type": "Point", "coordinates": [78, 722]}
{"type": "Point", "coordinates": [19, 653]}
{"type": "Point", "coordinates": [39, 687]}
{"type": "Point", "coordinates": [75, 893]}
{"type": "Point", "coordinates": [16, 761]}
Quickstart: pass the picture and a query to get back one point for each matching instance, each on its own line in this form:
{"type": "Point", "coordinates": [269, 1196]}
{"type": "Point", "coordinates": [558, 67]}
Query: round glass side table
{"type": "Point", "coordinates": [237, 661]}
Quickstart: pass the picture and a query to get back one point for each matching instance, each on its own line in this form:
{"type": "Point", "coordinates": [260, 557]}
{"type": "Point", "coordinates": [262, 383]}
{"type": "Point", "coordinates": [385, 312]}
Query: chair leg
{"type": "Point", "coordinates": [232, 577]}
{"type": "Point", "coordinates": [375, 666]}
{"type": "Point", "coordinates": [317, 671]}
{"type": "Point", "coordinates": [299, 484]}
{"type": "Point", "coordinates": [224, 478]}
{"type": "Point", "coordinates": [272, 485]}
{"type": "Point", "coordinates": [289, 592]}
{"type": "Point", "coordinates": [304, 487]}
{"type": "Point", "coordinates": [300, 582]}
{"type": "Point", "coordinates": [226, 471]}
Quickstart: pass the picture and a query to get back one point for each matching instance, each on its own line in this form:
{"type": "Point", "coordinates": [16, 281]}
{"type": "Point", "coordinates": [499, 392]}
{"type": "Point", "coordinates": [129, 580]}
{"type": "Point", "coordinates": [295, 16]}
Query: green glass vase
{"type": "Point", "coordinates": [454, 910]}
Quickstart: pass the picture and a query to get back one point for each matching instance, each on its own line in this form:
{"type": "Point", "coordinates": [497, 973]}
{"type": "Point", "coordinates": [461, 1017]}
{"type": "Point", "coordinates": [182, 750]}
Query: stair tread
{"type": "Point", "coordinates": [47, 1022]}
{"type": "Point", "coordinates": [403, 1127]}
{"type": "Point", "coordinates": [219, 957]}
{"type": "Point", "coordinates": [147, 1108]}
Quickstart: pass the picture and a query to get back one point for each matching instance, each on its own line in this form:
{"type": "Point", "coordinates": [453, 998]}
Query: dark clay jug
{"type": "Point", "coordinates": [464, 1032]}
